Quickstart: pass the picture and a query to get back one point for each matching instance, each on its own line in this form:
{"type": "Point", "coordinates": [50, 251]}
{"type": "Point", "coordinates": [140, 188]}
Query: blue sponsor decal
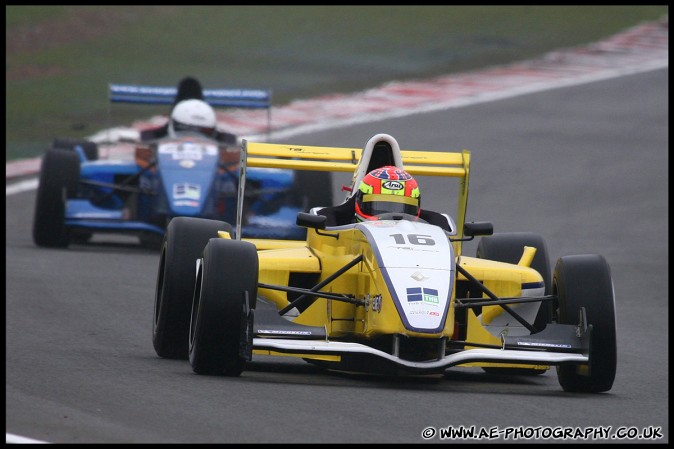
{"type": "Point", "coordinates": [414, 294]}
{"type": "Point", "coordinates": [428, 295]}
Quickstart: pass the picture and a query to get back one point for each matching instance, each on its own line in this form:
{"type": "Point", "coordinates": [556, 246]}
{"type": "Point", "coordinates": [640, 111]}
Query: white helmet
{"type": "Point", "coordinates": [192, 115]}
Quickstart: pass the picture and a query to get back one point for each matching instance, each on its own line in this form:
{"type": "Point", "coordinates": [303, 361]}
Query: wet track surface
{"type": "Point", "coordinates": [585, 167]}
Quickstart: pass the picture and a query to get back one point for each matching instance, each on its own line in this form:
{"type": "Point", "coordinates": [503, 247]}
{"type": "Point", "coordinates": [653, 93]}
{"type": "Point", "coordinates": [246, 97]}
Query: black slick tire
{"type": "Point", "coordinates": [585, 281]}
{"type": "Point", "coordinates": [222, 311]}
{"type": "Point", "coordinates": [90, 148]}
{"type": "Point", "coordinates": [59, 177]}
{"type": "Point", "coordinates": [183, 243]}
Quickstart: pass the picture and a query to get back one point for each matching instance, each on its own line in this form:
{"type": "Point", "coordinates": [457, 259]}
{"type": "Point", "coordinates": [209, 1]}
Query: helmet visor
{"type": "Point", "coordinates": [182, 127]}
{"type": "Point", "coordinates": [376, 204]}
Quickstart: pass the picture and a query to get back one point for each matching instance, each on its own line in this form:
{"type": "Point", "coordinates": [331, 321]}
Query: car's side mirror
{"type": "Point", "coordinates": [473, 229]}
{"type": "Point", "coordinates": [311, 221]}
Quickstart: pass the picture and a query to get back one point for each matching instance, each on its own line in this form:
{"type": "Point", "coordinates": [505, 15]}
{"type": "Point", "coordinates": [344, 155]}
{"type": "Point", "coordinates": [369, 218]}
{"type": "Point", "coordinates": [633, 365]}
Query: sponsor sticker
{"type": "Point", "coordinates": [283, 332]}
{"type": "Point", "coordinates": [393, 185]}
{"type": "Point", "coordinates": [543, 345]}
{"type": "Point", "coordinates": [414, 294]}
{"type": "Point", "coordinates": [188, 150]}
{"type": "Point", "coordinates": [186, 191]}
{"type": "Point", "coordinates": [423, 295]}
{"type": "Point", "coordinates": [418, 276]}
{"type": "Point", "coordinates": [188, 203]}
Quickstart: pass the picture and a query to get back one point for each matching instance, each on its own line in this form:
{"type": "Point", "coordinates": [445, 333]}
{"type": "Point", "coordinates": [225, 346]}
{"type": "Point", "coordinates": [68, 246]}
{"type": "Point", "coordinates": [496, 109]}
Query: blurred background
{"type": "Point", "coordinates": [60, 59]}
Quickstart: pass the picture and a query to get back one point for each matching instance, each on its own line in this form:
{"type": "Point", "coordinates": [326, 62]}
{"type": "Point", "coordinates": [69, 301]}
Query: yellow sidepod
{"type": "Point", "coordinates": [275, 266]}
{"type": "Point", "coordinates": [509, 282]}
{"type": "Point", "coordinates": [341, 318]}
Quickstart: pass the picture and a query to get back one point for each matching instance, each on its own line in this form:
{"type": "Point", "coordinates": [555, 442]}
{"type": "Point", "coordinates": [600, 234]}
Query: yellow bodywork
{"type": "Point", "coordinates": [505, 281]}
{"type": "Point", "coordinates": [322, 255]}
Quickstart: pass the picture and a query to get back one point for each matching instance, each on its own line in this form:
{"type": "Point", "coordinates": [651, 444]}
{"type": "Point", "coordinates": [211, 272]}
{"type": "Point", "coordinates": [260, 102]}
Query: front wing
{"type": "Point", "coordinates": [292, 346]}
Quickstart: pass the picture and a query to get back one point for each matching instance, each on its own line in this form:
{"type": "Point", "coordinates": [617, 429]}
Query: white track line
{"type": "Point", "coordinates": [16, 439]}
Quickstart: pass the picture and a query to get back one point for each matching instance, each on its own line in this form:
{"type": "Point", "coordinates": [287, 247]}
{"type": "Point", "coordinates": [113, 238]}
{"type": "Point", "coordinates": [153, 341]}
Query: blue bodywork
{"type": "Point", "coordinates": [189, 175]}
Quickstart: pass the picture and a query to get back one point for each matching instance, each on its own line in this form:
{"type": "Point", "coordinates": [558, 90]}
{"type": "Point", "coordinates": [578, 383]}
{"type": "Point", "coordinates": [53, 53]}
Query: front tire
{"type": "Point", "coordinates": [89, 148]}
{"type": "Point", "coordinates": [585, 281]}
{"type": "Point", "coordinates": [222, 312]}
{"type": "Point", "coordinates": [59, 177]}
{"type": "Point", "coordinates": [183, 243]}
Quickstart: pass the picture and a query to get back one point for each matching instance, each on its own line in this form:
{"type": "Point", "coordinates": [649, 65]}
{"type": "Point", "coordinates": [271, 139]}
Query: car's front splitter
{"type": "Point", "coordinates": [510, 356]}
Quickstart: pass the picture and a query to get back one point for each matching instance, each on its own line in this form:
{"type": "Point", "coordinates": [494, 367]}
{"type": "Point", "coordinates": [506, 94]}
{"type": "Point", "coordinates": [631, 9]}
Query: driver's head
{"type": "Point", "coordinates": [193, 115]}
{"type": "Point", "coordinates": [387, 189]}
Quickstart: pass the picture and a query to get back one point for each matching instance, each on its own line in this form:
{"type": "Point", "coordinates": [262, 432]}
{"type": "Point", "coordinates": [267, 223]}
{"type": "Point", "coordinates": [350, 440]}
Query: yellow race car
{"type": "Point", "coordinates": [392, 295]}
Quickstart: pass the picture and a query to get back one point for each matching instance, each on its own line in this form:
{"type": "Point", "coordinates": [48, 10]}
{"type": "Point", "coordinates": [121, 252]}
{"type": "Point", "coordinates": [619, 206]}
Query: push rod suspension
{"type": "Point", "coordinates": [322, 284]}
{"type": "Point", "coordinates": [495, 298]}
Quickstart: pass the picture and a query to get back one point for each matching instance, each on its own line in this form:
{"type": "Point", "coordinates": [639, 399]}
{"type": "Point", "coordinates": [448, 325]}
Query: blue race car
{"type": "Point", "coordinates": [184, 168]}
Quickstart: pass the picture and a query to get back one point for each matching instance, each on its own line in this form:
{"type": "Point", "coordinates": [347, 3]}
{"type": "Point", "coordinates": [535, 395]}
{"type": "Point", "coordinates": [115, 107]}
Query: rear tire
{"type": "Point", "coordinates": [221, 330]}
{"type": "Point", "coordinates": [508, 247]}
{"type": "Point", "coordinates": [313, 189]}
{"type": "Point", "coordinates": [585, 281]}
{"type": "Point", "coordinates": [183, 244]}
{"type": "Point", "coordinates": [59, 177]}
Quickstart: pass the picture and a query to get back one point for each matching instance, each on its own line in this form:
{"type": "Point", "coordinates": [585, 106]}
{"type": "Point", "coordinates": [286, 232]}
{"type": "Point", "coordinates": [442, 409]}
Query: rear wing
{"type": "Point", "coordinates": [295, 157]}
{"type": "Point", "coordinates": [217, 98]}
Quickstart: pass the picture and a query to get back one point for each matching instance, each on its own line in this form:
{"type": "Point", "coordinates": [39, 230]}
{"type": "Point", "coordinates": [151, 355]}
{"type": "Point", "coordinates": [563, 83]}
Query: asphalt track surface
{"type": "Point", "coordinates": [584, 166]}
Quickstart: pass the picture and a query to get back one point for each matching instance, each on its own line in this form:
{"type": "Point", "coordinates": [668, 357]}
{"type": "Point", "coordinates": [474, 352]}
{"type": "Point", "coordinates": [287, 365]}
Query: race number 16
{"type": "Point", "coordinates": [414, 239]}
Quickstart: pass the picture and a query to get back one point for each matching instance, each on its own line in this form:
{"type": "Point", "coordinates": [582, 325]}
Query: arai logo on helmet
{"type": "Point", "coordinates": [393, 185]}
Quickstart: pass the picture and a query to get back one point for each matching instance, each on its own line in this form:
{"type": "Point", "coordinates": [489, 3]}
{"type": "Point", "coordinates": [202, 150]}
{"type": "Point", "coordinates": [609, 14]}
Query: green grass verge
{"type": "Point", "coordinates": [60, 59]}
